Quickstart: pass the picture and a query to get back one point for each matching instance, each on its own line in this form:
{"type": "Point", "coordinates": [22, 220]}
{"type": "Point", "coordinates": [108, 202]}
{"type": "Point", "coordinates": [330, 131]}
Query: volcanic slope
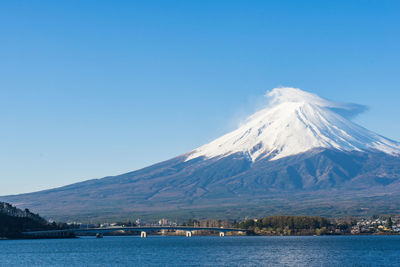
{"type": "Point", "coordinates": [300, 154]}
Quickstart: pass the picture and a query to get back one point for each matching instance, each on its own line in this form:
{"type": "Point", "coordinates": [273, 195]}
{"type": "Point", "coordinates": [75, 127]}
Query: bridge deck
{"type": "Point", "coordinates": [138, 229]}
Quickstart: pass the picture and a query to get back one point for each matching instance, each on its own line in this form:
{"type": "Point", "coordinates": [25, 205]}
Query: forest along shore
{"type": "Point", "coordinates": [14, 221]}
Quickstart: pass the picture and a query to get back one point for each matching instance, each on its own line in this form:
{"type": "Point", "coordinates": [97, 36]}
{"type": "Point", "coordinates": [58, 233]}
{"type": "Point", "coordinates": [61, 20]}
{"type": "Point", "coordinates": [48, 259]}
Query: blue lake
{"type": "Point", "coordinates": [204, 251]}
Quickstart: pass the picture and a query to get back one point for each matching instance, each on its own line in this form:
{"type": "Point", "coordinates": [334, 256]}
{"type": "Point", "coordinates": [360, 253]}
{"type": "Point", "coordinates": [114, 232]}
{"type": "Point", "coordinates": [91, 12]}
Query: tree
{"type": "Point", "coordinates": [389, 223]}
{"type": "Point", "coordinates": [318, 231]}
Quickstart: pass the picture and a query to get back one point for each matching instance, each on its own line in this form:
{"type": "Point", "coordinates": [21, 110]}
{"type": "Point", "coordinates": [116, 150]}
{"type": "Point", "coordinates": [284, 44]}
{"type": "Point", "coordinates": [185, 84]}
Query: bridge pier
{"type": "Point", "coordinates": [189, 230]}
{"type": "Point", "coordinates": [143, 234]}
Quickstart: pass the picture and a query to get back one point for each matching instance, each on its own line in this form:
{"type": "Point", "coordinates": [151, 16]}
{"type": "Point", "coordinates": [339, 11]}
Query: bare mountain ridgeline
{"type": "Point", "coordinates": [328, 180]}
{"type": "Point", "coordinates": [297, 156]}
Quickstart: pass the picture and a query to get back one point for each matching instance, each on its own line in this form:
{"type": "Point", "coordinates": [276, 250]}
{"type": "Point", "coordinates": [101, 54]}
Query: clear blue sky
{"type": "Point", "coordinates": [97, 88]}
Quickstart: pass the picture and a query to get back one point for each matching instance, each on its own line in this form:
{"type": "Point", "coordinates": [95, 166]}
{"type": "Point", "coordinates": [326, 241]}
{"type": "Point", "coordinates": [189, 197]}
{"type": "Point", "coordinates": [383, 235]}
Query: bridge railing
{"type": "Point", "coordinates": [143, 230]}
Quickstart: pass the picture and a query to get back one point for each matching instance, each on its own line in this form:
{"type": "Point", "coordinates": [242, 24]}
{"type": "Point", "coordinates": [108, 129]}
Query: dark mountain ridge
{"type": "Point", "coordinates": [318, 176]}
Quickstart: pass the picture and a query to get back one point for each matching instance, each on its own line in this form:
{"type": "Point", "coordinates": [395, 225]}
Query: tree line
{"type": "Point", "coordinates": [14, 221]}
{"type": "Point", "coordinates": [287, 225]}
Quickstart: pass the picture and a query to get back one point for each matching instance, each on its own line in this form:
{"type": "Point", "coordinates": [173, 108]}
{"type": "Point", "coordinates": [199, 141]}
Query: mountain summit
{"type": "Point", "coordinates": [301, 154]}
{"type": "Point", "coordinates": [296, 121]}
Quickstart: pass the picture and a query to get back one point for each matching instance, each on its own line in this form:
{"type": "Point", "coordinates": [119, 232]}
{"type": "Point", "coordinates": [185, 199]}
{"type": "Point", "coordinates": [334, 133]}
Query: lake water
{"type": "Point", "coordinates": [204, 251]}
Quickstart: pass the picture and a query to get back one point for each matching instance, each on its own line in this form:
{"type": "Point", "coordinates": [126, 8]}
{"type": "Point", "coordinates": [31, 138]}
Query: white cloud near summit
{"type": "Point", "coordinates": [289, 94]}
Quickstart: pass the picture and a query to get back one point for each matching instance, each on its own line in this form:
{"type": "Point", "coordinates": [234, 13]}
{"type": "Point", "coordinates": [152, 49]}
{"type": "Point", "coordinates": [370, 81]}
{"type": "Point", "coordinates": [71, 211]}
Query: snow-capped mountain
{"type": "Point", "coordinates": [295, 122]}
{"type": "Point", "coordinates": [300, 154]}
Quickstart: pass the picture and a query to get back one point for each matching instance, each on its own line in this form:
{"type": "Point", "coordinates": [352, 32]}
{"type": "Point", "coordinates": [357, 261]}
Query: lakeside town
{"type": "Point", "coordinates": [277, 225]}
{"type": "Point", "coordinates": [14, 221]}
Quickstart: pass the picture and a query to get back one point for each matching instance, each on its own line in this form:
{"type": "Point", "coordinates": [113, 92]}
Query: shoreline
{"type": "Point", "coordinates": [203, 235]}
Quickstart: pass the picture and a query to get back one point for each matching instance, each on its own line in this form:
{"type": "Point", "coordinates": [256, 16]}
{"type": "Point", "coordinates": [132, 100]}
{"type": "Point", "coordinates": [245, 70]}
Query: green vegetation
{"type": "Point", "coordinates": [287, 225]}
{"type": "Point", "coordinates": [389, 223]}
{"type": "Point", "coordinates": [14, 221]}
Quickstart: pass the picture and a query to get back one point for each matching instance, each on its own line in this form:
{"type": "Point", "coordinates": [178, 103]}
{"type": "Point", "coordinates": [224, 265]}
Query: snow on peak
{"type": "Point", "coordinates": [296, 121]}
{"type": "Point", "coordinates": [290, 94]}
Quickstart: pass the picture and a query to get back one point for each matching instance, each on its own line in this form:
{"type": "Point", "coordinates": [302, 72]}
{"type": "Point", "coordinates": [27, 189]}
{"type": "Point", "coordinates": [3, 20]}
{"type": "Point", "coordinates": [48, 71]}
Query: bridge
{"type": "Point", "coordinates": [143, 231]}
